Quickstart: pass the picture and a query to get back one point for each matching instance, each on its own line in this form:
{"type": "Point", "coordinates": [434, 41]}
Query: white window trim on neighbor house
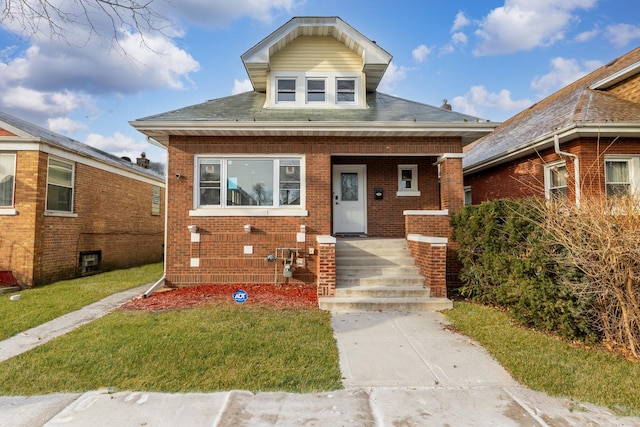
{"type": "Point", "coordinates": [223, 209]}
{"type": "Point", "coordinates": [413, 190]}
{"type": "Point", "coordinates": [8, 159]}
{"type": "Point", "coordinates": [468, 200]}
{"type": "Point", "coordinates": [72, 167]}
{"type": "Point", "coordinates": [549, 187]}
{"type": "Point", "coordinates": [633, 172]}
{"type": "Point", "coordinates": [302, 92]}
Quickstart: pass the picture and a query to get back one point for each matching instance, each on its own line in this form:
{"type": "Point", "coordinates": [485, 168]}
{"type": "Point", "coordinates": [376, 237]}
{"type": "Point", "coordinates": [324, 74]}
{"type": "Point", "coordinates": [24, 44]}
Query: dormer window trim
{"type": "Point", "coordinates": [336, 93]}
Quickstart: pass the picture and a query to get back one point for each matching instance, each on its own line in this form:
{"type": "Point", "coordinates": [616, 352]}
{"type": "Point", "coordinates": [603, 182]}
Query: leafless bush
{"type": "Point", "coordinates": [602, 239]}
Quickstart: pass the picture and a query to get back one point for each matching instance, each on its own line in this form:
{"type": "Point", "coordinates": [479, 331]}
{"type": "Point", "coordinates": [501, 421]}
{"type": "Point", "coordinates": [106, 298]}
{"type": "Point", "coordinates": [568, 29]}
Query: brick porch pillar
{"type": "Point", "coordinates": [326, 266]}
{"type": "Point", "coordinates": [451, 182]}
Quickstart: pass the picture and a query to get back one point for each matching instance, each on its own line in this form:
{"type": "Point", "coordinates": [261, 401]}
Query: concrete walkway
{"type": "Point", "coordinates": [399, 369]}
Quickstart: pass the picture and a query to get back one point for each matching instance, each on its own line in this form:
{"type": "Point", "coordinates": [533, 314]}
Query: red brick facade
{"type": "Point", "coordinates": [112, 215]}
{"type": "Point", "coordinates": [222, 240]}
{"type": "Point", "coordinates": [524, 177]}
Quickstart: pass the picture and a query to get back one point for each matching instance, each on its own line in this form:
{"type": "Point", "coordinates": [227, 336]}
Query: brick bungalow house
{"type": "Point", "coordinates": [67, 209]}
{"type": "Point", "coordinates": [582, 140]}
{"type": "Point", "coordinates": [314, 153]}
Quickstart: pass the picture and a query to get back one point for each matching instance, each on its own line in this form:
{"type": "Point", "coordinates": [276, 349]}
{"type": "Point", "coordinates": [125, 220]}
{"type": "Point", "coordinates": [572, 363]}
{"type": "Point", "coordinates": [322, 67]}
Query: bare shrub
{"type": "Point", "coordinates": [602, 240]}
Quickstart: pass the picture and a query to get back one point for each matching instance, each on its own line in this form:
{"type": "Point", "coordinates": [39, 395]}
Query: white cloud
{"type": "Point", "coordinates": [65, 125]}
{"type": "Point", "coordinates": [459, 38]}
{"type": "Point", "coordinates": [586, 36]}
{"type": "Point", "coordinates": [420, 53]}
{"type": "Point", "coordinates": [119, 145]}
{"type": "Point", "coordinates": [392, 76]}
{"type": "Point", "coordinates": [524, 25]}
{"type": "Point", "coordinates": [240, 86]}
{"type": "Point", "coordinates": [622, 34]}
{"type": "Point", "coordinates": [212, 13]}
{"type": "Point", "coordinates": [564, 71]}
{"type": "Point", "coordinates": [478, 99]}
{"type": "Point", "coordinates": [461, 21]}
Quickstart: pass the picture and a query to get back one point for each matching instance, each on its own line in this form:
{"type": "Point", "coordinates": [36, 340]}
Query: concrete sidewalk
{"type": "Point", "coordinates": [399, 369]}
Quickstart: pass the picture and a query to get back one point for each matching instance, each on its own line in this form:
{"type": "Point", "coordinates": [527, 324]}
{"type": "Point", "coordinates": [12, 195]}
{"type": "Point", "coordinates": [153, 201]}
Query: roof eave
{"type": "Point", "coordinates": [160, 131]}
{"type": "Point", "coordinates": [566, 134]}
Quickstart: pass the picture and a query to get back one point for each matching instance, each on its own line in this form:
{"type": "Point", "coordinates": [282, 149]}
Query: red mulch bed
{"type": "Point", "coordinates": [278, 296]}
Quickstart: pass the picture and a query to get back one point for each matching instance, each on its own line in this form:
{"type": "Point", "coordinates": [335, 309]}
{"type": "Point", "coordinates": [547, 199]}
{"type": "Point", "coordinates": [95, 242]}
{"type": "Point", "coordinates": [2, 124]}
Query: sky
{"type": "Point", "coordinates": [490, 58]}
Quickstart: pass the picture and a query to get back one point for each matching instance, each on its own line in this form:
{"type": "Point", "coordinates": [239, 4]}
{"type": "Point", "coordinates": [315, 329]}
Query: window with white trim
{"type": "Point", "coordinates": [467, 196]}
{"type": "Point", "coordinates": [617, 177]}
{"type": "Point", "coordinates": [286, 91]}
{"type": "Point", "coordinates": [249, 182]}
{"type": "Point", "coordinates": [621, 175]}
{"type": "Point", "coordinates": [316, 91]}
{"type": "Point", "coordinates": [155, 200]}
{"type": "Point", "coordinates": [408, 180]}
{"type": "Point", "coordinates": [60, 186]}
{"type": "Point", "coordinates": [7, 179]}
{"type": "Point", "coordinates": [345, 91]}
{"type": "Point", "coordinates": [555, 181]}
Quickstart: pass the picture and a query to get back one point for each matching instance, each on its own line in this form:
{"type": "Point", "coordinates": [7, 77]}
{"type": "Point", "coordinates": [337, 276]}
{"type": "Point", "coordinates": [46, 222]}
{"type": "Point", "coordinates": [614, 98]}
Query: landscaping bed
{"type": "Point", "coordinates": [273, 295]}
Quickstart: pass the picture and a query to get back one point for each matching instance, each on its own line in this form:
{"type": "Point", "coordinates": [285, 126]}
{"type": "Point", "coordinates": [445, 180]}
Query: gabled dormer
{"type": "Point", "coordinates": [316, 62]}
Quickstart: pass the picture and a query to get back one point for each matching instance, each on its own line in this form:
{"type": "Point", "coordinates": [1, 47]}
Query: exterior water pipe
{"type": "Point", "coordinates": [576, 165]}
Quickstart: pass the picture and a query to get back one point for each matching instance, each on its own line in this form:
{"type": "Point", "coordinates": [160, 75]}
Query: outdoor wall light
{"type": "Point", "coordinates": [193, 228]}
{"type": "Point", "coordinates": [247, 228]}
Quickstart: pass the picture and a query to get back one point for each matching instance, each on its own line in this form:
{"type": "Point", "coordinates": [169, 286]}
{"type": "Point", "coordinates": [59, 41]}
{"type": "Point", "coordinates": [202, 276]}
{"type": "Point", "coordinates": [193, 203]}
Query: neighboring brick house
{"type": "Point", "coordinates": [67, 209]}
{"type": "Point", "coordinates": [582, 140]}
{"type": "Point", "coordinates": [314, 152]}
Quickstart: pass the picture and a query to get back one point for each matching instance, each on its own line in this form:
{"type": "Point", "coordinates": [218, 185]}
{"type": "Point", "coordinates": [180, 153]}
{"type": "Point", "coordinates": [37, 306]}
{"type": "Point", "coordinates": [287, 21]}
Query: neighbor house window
{"type": "Point", "coordinates": [252, 182]}
{"type": "Point", "coordinates": [60, 186]}
{"type": "Point", "coordinates": [345, 91]}
{"type": "Point", "coordinates": [286, 90]}
{"type": "Point", "coordinates": [316, 91]}
{"type": "Point", "coordinates": [556, 181]}
{"type": "Point", "coordinates": [467, 196]}
{"type": "Point", "coordinates": [7, 179]}
{"type": "Point", "coordinates": [408, 180]}
{"type": "Point", "coordinates": [617, 176]}
{"type": "Point", "coordinates": [155, 200]}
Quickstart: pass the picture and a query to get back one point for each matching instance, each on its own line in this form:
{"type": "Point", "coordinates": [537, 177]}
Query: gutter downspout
{"type": "Point", "coordinates": [160, 281]}
{"type": "Point", "coordinates": [576, 165]}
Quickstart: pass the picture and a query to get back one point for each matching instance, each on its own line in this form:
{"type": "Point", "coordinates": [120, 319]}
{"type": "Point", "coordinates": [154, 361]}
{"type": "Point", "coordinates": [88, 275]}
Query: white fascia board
{"type": "Point", "coordinates": [621, 75]}
{"type": "Point", "coordinates": [180, 127]}
{"type": "Point", "coordinates": [565, 134]}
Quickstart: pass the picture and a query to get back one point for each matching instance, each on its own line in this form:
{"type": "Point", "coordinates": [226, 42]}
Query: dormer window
{"type": "Point", "coordinates": [345, 91]}
{"type": "Point", "coordinates": [286, 90]}
{"type": "Point", "coordinates": [316, 90]}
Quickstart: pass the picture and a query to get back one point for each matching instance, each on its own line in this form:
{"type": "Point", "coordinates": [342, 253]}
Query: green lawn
{"type": "Point", "coordinates": [212, 348]}
{"type": "Point", "coordinates": [548, 364]}
{"type": "Point", "coordinates": [41, 304]}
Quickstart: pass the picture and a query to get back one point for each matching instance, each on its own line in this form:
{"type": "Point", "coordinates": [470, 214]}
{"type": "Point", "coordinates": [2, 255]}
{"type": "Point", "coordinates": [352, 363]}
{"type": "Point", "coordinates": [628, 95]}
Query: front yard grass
{"type": "Point", "coordinates": [217, 347]}
{"type": "Point", "coordinates": [42, 304]}
{"type": "Point", "coordinates": [550, 365]}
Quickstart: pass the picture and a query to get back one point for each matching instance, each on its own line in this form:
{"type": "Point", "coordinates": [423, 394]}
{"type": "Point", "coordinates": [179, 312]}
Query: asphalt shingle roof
{"type": "Point", "coordinates": [72, 145]}
{"type": "Point", "coordinates": [573, 104]}
{"type": "Point", "coordinates": [249, 106]}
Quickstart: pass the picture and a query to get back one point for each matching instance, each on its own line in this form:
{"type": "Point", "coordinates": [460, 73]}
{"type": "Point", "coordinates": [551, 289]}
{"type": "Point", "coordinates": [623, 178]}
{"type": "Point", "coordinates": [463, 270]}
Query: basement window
{"type": "Point", "coordinates": [90, 261]}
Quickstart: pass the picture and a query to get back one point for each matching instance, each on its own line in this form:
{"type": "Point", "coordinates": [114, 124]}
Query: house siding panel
{"type": "Point", "coordinates": [316, 54]}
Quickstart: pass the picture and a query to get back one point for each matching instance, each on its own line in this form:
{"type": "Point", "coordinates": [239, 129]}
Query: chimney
{"type": "Point", "coordinates": [142, 161]}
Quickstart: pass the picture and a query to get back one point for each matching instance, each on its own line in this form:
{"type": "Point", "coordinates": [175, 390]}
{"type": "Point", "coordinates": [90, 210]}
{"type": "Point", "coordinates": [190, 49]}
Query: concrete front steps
{"type": "Point", "coordinates": [379, 275]}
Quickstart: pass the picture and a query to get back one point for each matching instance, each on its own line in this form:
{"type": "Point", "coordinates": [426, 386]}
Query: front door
{"type": "Point", "coordinates": [349, 199]}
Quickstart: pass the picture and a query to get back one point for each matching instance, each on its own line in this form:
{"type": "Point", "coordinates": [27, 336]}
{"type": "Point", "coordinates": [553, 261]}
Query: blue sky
{"type": "Point", "coordinates": [490, 58]}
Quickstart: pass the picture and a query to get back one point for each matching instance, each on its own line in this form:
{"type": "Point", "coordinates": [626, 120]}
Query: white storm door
{"type": "Point", "coordinates": [349, 199]}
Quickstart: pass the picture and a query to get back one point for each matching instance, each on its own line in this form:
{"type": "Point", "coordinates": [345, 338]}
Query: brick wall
{"type": "Point", "coordinates": [222, 240]}
{"type": "Point", "coordinates": [18, 232]}
{"type": "Point", "coordinates": [525, 177]}
{"type": "Point", "coordinates": [113, 216]}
